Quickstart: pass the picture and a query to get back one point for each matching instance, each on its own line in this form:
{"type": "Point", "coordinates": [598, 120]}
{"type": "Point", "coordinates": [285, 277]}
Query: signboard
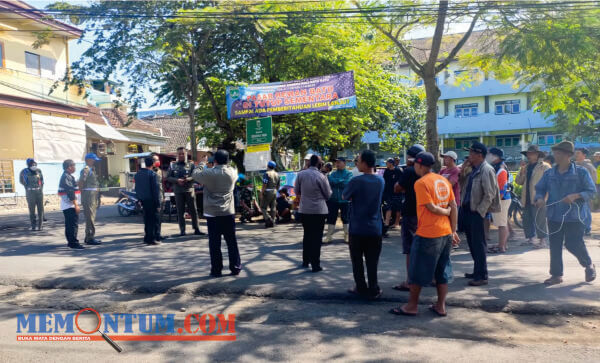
{"type": "Point", "coordinates": [326, 93]}
{"type": "Point", "coordinates": [259, 131]}
{"type": "Point", "coordinates": [257, 157]}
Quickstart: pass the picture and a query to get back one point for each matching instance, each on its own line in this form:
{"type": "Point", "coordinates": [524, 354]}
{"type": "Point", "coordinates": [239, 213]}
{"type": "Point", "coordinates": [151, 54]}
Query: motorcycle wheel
{"type": "Point", "coordinates": [124, 212]}
{"type": "Point", "coordinates": [518, 217]}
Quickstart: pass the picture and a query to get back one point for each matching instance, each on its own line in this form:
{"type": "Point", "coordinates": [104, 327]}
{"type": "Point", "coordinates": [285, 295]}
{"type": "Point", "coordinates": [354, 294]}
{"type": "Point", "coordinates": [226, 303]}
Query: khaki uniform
{"type": "Point", "coordinates": [271, 183]}
{"type": "Point", "coordinates": [88, 182]}
{"type": "Point", "coordinates": [34, 185]}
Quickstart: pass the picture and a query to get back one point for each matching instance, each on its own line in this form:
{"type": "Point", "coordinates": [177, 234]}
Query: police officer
{"type": "Point", "coordinates": [32, 179]}
{"type": "Point", "coordinates": [180, 174]}
{"type": "Point", "coordinates": [270, 187]}
{"type": "Point", "coordinates": [161, 196]}
{"type": "Point", "coordinates": [88, 184]}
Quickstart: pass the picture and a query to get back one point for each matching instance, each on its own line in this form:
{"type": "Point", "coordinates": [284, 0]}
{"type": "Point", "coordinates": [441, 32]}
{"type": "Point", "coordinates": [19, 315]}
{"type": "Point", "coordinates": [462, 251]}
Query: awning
{"type": "Point", "coordinates": [145, 138]}
{"type": "Point", "coordinates": [106, 132]}
{"type": "Point", "coordinates": [137, 155]}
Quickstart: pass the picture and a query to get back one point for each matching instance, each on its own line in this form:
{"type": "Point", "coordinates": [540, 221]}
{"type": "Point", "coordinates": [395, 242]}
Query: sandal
{"type": "Point", "coordinates": [401, 287]}
{"type": "Point", "coordinates": [400, 311]}
{"type": "Point", "coordinates": [436, 312]}
{"type": "Point", "coordinates": [494, 249]}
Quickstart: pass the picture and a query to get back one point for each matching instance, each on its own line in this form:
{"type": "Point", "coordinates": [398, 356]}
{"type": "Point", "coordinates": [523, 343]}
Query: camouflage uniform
{"type": "Point", "coordinates": [246, 197]}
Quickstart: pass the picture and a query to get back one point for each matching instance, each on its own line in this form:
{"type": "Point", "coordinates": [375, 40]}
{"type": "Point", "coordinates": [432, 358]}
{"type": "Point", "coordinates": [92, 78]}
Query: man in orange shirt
{"type": "Point", "coordinates": [437, 215]}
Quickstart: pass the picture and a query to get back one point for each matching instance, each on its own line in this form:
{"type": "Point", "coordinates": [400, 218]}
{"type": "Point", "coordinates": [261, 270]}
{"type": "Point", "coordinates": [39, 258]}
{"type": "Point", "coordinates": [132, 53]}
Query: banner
{"type": "Point", "coordinates": [326, 93]}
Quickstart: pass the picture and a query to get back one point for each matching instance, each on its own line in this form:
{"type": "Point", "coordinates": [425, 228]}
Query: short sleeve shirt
{"type": "Point", "coordinates": [452, 175]}
{"type": "Point", "coordinates": [435, 189]}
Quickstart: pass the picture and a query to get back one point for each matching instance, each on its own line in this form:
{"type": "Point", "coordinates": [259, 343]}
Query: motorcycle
{"type": "Point", "coordinates": [515, 211]}
{"type": "Point", "coordinates": [128, 204]}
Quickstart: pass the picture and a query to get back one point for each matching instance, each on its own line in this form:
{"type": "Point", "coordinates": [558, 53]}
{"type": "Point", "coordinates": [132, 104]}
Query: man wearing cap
{"type": "Point", "coordinates": [480, 197]}
{"type": "Point", "coordinates": [436, 232]}
{"type": "Point", "coordinates": [581, 159]}
{"type": "Point", "coordinates": [566, 190]}
{"type": "Point", "coordinates": [88, 184]}
{"type": "Point", "coordinates": [451, 172]}
{"type": "Point", "coordinates": [406, 185]}
{"type": "Point", "coordinates": [495, 157]}
{"type": "Point", "coordinates": [268, 194]}
{"type": "Point", "coordinates": [70, 198]}
{"type": "Point", "coordinates": [529, 175]}
{"type": "Point", "coordinates": [33, 181]}
{"type": "Point", "coordinates": [338, 180]}
{"type": "Point", "coordinates": [180, 175]}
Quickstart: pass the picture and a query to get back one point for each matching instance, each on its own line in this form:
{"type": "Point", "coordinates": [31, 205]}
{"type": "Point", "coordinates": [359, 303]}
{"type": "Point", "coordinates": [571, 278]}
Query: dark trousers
{"type": "Point", "coordinates": [151, 215]}
{"type": "Point", "coordinates": [182, 200]}
{"type": "Point", "coordinates": [217, 227]}
{"type": "Point", "coordinates": [313, 225]}
{"type": "Point", "coordinates": [368, 247]}
{"type": "Point", "coordinates": [334, 207]}
{"type": "Point", "coordinates": [571, 234]}
{"type": "Point", "coordinates": [71, 226]}
{"type": "Point", "coordinates": [530, 212]}
{"type": "Point", "coordinates": [473, 224]}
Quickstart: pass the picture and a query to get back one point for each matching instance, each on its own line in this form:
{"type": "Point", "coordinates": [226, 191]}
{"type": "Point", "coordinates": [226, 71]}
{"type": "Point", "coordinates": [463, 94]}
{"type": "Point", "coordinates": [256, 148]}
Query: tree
{"type": "Point", "coordinates": [397, 21]}
{"type": "Point", "coordinates": [552, 49]}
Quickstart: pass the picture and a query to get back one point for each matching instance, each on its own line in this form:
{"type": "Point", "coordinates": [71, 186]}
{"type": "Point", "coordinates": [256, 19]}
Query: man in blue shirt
{"type": "Point", "coordinates": [338, 180]}
{"type": "Point", "coordinates": [365, 193]}
{"type": "Point", "coordinates": [568, 189]}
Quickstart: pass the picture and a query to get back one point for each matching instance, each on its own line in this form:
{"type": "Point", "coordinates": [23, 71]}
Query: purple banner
{"type": "Point", "coordinates": [326, 93]}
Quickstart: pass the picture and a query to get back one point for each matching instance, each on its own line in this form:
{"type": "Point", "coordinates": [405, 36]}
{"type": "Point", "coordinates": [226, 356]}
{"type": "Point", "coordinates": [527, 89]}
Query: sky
{"type": "Point", "coordinates": [77, 48]}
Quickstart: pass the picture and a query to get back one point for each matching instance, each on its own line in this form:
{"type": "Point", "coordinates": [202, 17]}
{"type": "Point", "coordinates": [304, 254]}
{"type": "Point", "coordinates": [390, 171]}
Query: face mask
{"type": "Point", "coordinates": [157, 163]}
{"type": "Point", "coordinates": [249, 188]}
{"type": "Point", "coordinates": [490, 159]}
{"type": "Point", "coordinates": [33, 168]}
{"type": "Point", "coordinates": [411, 160]}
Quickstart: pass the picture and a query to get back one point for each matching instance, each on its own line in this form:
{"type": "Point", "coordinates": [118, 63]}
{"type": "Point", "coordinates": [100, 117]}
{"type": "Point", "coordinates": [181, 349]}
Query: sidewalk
{"type": "Point", "coordinates": [270, 259]}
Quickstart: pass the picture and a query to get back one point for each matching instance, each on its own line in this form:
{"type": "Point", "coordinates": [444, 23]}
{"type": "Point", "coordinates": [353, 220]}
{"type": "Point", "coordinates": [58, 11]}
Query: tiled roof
{"type": "Point", "coordinates": [120, 120]}
{"type": "Point", "coordinates": [94, 116]}
{"type": "Point", "coordinates": [176, 128]}
{"type": "Point", "coordinates": [480, 41]}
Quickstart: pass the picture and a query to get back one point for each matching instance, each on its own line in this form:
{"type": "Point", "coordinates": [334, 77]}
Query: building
{"type": "Point", "coordinates": [34, 122]}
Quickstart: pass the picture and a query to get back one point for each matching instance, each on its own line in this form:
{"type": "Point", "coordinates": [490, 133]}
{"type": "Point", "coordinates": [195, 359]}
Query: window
{"type": "Point", "coordinates": [466, 110]}
{"type": "Point", "coordinates": [459, 72]}
{"type": "Point", "coordinates": [463, 143]}
{"type": "Point", "coordinates": [48, 67]}
{"type": "Point", "coordinates": [508, 107]}
{"type": "Point", "coordinates": [508, 141]}
{"type": "Point", "coordinates": [32, 63]}
{"type": "Point", "coordinates": [549, 139]}
{"type": "Point", "coordinates": [7, 177]}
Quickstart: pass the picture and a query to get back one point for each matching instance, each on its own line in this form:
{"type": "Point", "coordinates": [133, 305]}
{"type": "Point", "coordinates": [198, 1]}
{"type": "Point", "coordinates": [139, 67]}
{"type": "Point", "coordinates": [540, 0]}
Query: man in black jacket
{"type": "Point", "coordinates": [148, 192]}
{"type": "Point", "coordinates": [70, 199]}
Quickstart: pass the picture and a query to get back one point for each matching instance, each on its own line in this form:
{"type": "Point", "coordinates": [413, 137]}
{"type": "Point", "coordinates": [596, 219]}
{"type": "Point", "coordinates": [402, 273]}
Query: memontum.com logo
{"type": "Point", "coordinates": [90, 325]}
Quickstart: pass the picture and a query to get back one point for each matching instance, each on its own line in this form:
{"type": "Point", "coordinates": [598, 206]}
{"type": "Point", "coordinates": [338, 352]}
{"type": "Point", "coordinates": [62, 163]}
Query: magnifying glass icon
{"type": "Point", "coordinates": [96, 329]}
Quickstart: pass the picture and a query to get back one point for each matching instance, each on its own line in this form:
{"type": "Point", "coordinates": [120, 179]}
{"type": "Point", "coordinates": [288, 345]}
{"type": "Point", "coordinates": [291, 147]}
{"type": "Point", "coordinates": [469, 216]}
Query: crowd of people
{"type": "Point", "coordinates": [430, 209]}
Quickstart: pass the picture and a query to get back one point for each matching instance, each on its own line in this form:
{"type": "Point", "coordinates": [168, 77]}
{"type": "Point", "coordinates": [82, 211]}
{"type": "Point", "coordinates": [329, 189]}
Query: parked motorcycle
{"type": "Point", "coordinates": [128, 204]}
{"type": "Point", "coordinates": [515, 211]}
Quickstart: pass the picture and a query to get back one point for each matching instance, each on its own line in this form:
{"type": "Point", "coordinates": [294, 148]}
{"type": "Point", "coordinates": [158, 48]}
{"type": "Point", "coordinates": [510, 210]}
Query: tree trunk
{"type": "Point", "coordinates": [433, 94]}
{"type": "Point", "coordinates": [192, 108]}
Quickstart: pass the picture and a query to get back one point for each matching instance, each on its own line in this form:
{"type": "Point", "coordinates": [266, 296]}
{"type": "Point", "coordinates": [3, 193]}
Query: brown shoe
{"type": "Point", "coordinates": [554, 280]}
{"type": "Point", "coordinates": [478, 282]}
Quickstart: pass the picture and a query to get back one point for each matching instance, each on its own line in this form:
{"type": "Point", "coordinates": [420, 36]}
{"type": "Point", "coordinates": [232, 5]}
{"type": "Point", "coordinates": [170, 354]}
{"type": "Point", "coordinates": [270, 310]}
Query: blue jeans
{"type": "Point", "coordinates": [529, 221]}
{"type": "Point", "coordinates": [217, 227]}
{"type": "Point", "coordinates": [571, 234]}
{"type": "Point", "coordinates": [429, 259]}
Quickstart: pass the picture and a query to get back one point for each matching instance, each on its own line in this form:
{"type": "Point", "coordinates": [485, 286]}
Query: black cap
{"type": "Point", "coordinates": [390, 160]}
{"type": "Point", "coordinates": [584, 150]}
{"type": "Point", "coordinates": [498, 152]}
{"type": "Point", "coordinates": [425, 158]}
{"type": "Point", "coordinates": [478, 148]}
{"type": "Point", "coordinates": [341, 158]}
{"type": "Point", "coordinates": [414, 150]}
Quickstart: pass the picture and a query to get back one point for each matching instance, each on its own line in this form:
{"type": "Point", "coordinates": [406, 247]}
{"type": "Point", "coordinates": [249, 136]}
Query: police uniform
{"type": "Point", "coordinates": [246, 196]}
{"type": "Point", "coordinates": [88, 181]}
{"type": "Point", "coordinates": [184, 194]}
{"type": "Point", "coordinates": [161, 197]}
{"type": "Point", "coordinates": [271, 186]}
{"type": "Point", "coordinates": [33, 181]}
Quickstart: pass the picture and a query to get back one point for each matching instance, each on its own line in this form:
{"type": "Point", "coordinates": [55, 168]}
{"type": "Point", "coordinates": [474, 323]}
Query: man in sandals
{"type": "Point", "coordinates": [569, 188]}
{"type": "Point", "coordinates": [437, 214]}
